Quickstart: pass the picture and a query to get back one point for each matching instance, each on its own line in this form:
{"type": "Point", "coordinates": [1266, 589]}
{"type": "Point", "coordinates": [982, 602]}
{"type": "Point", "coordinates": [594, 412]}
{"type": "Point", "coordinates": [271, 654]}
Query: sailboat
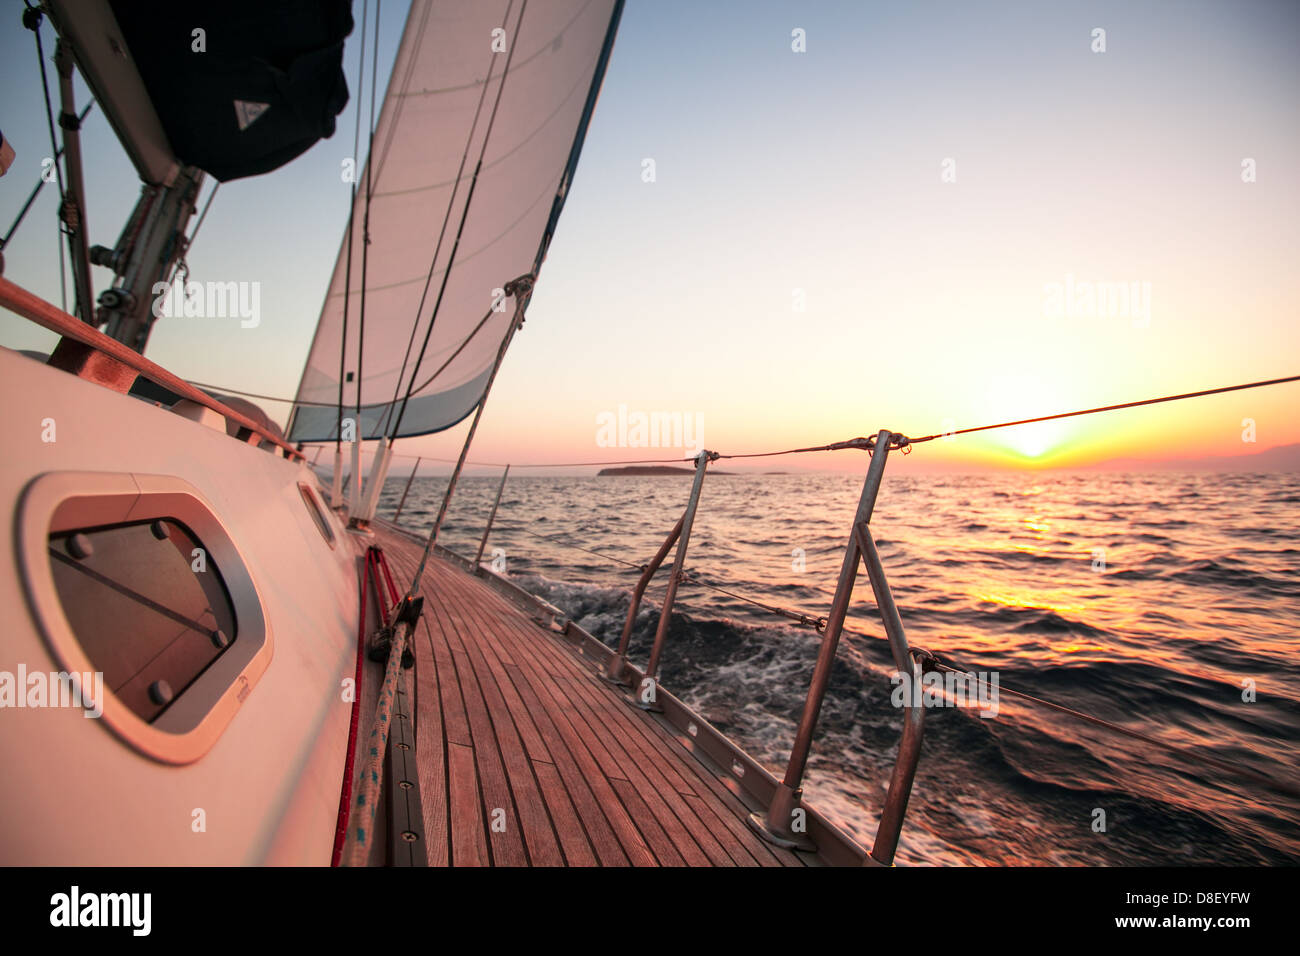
{"type": "Point", "coordinates": [211, 657]}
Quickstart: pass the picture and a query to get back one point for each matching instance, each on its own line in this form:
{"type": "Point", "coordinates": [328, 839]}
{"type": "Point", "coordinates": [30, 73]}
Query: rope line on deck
{"type": "Point", "coordinates": [367, 798]}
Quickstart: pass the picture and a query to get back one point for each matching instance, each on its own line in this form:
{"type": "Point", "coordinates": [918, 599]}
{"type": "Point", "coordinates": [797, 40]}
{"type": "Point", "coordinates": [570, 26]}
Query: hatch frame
{"type": "Point", "coordinates": [191, 725]}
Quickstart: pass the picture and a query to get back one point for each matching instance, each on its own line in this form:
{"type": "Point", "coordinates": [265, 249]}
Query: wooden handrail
{"type": "Point", "coordinates": [35, 309]}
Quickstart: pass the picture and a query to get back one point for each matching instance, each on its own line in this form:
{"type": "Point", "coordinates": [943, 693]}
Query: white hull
{"type": "Point", "coordinates": [268, 788]}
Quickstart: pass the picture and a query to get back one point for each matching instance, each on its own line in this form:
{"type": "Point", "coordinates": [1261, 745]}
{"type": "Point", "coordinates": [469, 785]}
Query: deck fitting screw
{"type": "Point", "coordinates": [160, 692]}
{"type": "Point", "coordinates": [405, 784]}
{"type": "Point", "coordinates": [409, 837]}
{"type": "Point", "coordinates": [220, 639]}
{"type": "Point", "coordinates": [401, 746]}
{"type": "Point", "coordinates": [400, 716]}
{"type": "Point", "coordinates": [79, 546]}
{"type": "Point", "coordinates": [159, 530]}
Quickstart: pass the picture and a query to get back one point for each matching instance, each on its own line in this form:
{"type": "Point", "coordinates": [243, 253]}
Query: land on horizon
{"type": "Point", "coordinates": [1278, 459]}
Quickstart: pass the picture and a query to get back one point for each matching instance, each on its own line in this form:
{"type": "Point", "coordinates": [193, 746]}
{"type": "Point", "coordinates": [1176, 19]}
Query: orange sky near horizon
{"type": "Point", "coordinates": [921, 222]}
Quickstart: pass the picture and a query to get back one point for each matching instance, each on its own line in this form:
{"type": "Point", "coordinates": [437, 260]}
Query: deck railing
{"type": "Point", "coordinates": [92, 355]}
{"type": "Point", "coordinates": [784, 822]}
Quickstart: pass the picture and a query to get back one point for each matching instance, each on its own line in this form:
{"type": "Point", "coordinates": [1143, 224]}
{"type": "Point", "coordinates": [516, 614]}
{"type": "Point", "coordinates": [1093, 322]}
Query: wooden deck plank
{"type": "Point", "coordinates": [505, 835]}
{"type": "Point", "coordinates": [661, 830]}
{"type": "Point", "coordinates": [659, 740]}
{"type": "Point", "coordinates": [530, 648]}
{"type": "Point", "coordinates": [469, 846]}
{"type": "Point", "coordinates": [562, 658]}
{"type": "Point", "coordinates": [678, 821]}
{"type": "Point", "coordinates": [568, 825]}
{"type": "Point", "coordinates": [592, 819]}
{"type": "Point", "coordinates": [659, 775]}
{"type": "Point", "coordinates": [430, 752]}
{"type": "Point", "coordinates": [543, 799]}
{"type": "Point", "coordinates": [691, 837]}
{"type": "Point", "coordinates": [573, 801]}
{"type": "Point", "coordinates": [551, 712]}
{"type": "Point", "coordinates": [511, 718]}
{"type": "Point", "coordinates": [620, 823]}
{"type": "Point", "coordinates": [503, 830]}
{"type": "Point", "coordinates": [505, 772]}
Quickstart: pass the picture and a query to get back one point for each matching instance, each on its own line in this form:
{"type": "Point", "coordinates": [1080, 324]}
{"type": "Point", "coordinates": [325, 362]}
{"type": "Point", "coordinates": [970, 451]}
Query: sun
{"type": "Point", "coordinates": [1036, 440]}
{"type": "Point", "coordinates": [1024, 394]}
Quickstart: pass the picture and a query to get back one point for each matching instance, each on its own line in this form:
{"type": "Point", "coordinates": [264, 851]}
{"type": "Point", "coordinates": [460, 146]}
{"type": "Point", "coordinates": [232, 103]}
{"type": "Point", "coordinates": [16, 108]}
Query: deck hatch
{"type": "Point", "coordinates": [147, 605]}
{"type": "Point", "coordinates": [137, 578]}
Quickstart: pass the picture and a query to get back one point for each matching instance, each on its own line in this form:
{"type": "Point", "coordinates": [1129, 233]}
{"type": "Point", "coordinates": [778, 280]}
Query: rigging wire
{"type": "Point", "coordinates": [944, 663]}
{"type": "Point", "coordinates": [857, 443]}
{"type": "Point", "coordinates": [1110, 408]}
{"type": "Point", "coordinates": [464, 214]}
{"type": "Point", "coordinates": [365, 221]}
{"type": "Point", "coordinates": [40, 184]}
{"type": "Point", "coordinates": [442, 233]}
{"type": "Point", "coordinates": [189, 243]}
{"type": "Point", "coordinates": [555, 539]}
{"type": "Point", "coordinates": [32, 18]}
{"type": "Point", "coordinates": [352, 217]}
{"type": "Point", "coordinates": [265, 398]}
{"type": "Point", "coordinates": [202, 215]}
{"type": "Point", "coordinates": [460, 348]}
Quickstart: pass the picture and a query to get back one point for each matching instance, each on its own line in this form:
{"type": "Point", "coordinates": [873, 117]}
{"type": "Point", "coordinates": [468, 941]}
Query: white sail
{"type": "Point", "coordinates": [473, 153]}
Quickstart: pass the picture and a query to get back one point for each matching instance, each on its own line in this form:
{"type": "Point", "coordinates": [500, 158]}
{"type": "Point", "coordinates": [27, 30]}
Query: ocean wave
{"type": "Point", "coordinates": [1199, 592]}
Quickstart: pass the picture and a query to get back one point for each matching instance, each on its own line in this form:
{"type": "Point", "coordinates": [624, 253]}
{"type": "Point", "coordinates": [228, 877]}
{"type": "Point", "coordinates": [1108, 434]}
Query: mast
{"type": "Point", "coordinates": [151, 244]}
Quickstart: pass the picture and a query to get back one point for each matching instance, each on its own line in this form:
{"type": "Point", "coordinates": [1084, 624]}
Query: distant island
{"type": "Point", "coordinates": [639, 471]}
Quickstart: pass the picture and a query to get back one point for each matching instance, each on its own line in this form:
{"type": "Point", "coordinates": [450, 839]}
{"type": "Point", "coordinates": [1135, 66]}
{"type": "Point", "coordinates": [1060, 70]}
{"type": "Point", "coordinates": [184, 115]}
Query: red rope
{"type": "Point", "coordinates": [392, 588]}
{"type": "Point", "coordinates": [345, 797]}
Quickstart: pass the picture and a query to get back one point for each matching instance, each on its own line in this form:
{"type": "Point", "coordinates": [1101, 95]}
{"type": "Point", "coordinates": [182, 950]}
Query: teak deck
{"type": "Point", "coordinates": [527, 758]}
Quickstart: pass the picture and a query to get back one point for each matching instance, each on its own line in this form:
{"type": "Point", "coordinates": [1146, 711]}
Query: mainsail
{"type": "Point", "coordinates": [473, 153]}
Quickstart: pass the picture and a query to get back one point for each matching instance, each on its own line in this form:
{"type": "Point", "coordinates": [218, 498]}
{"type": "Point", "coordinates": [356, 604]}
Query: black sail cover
{"type": "Point", "coordinates": [258, 87]}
